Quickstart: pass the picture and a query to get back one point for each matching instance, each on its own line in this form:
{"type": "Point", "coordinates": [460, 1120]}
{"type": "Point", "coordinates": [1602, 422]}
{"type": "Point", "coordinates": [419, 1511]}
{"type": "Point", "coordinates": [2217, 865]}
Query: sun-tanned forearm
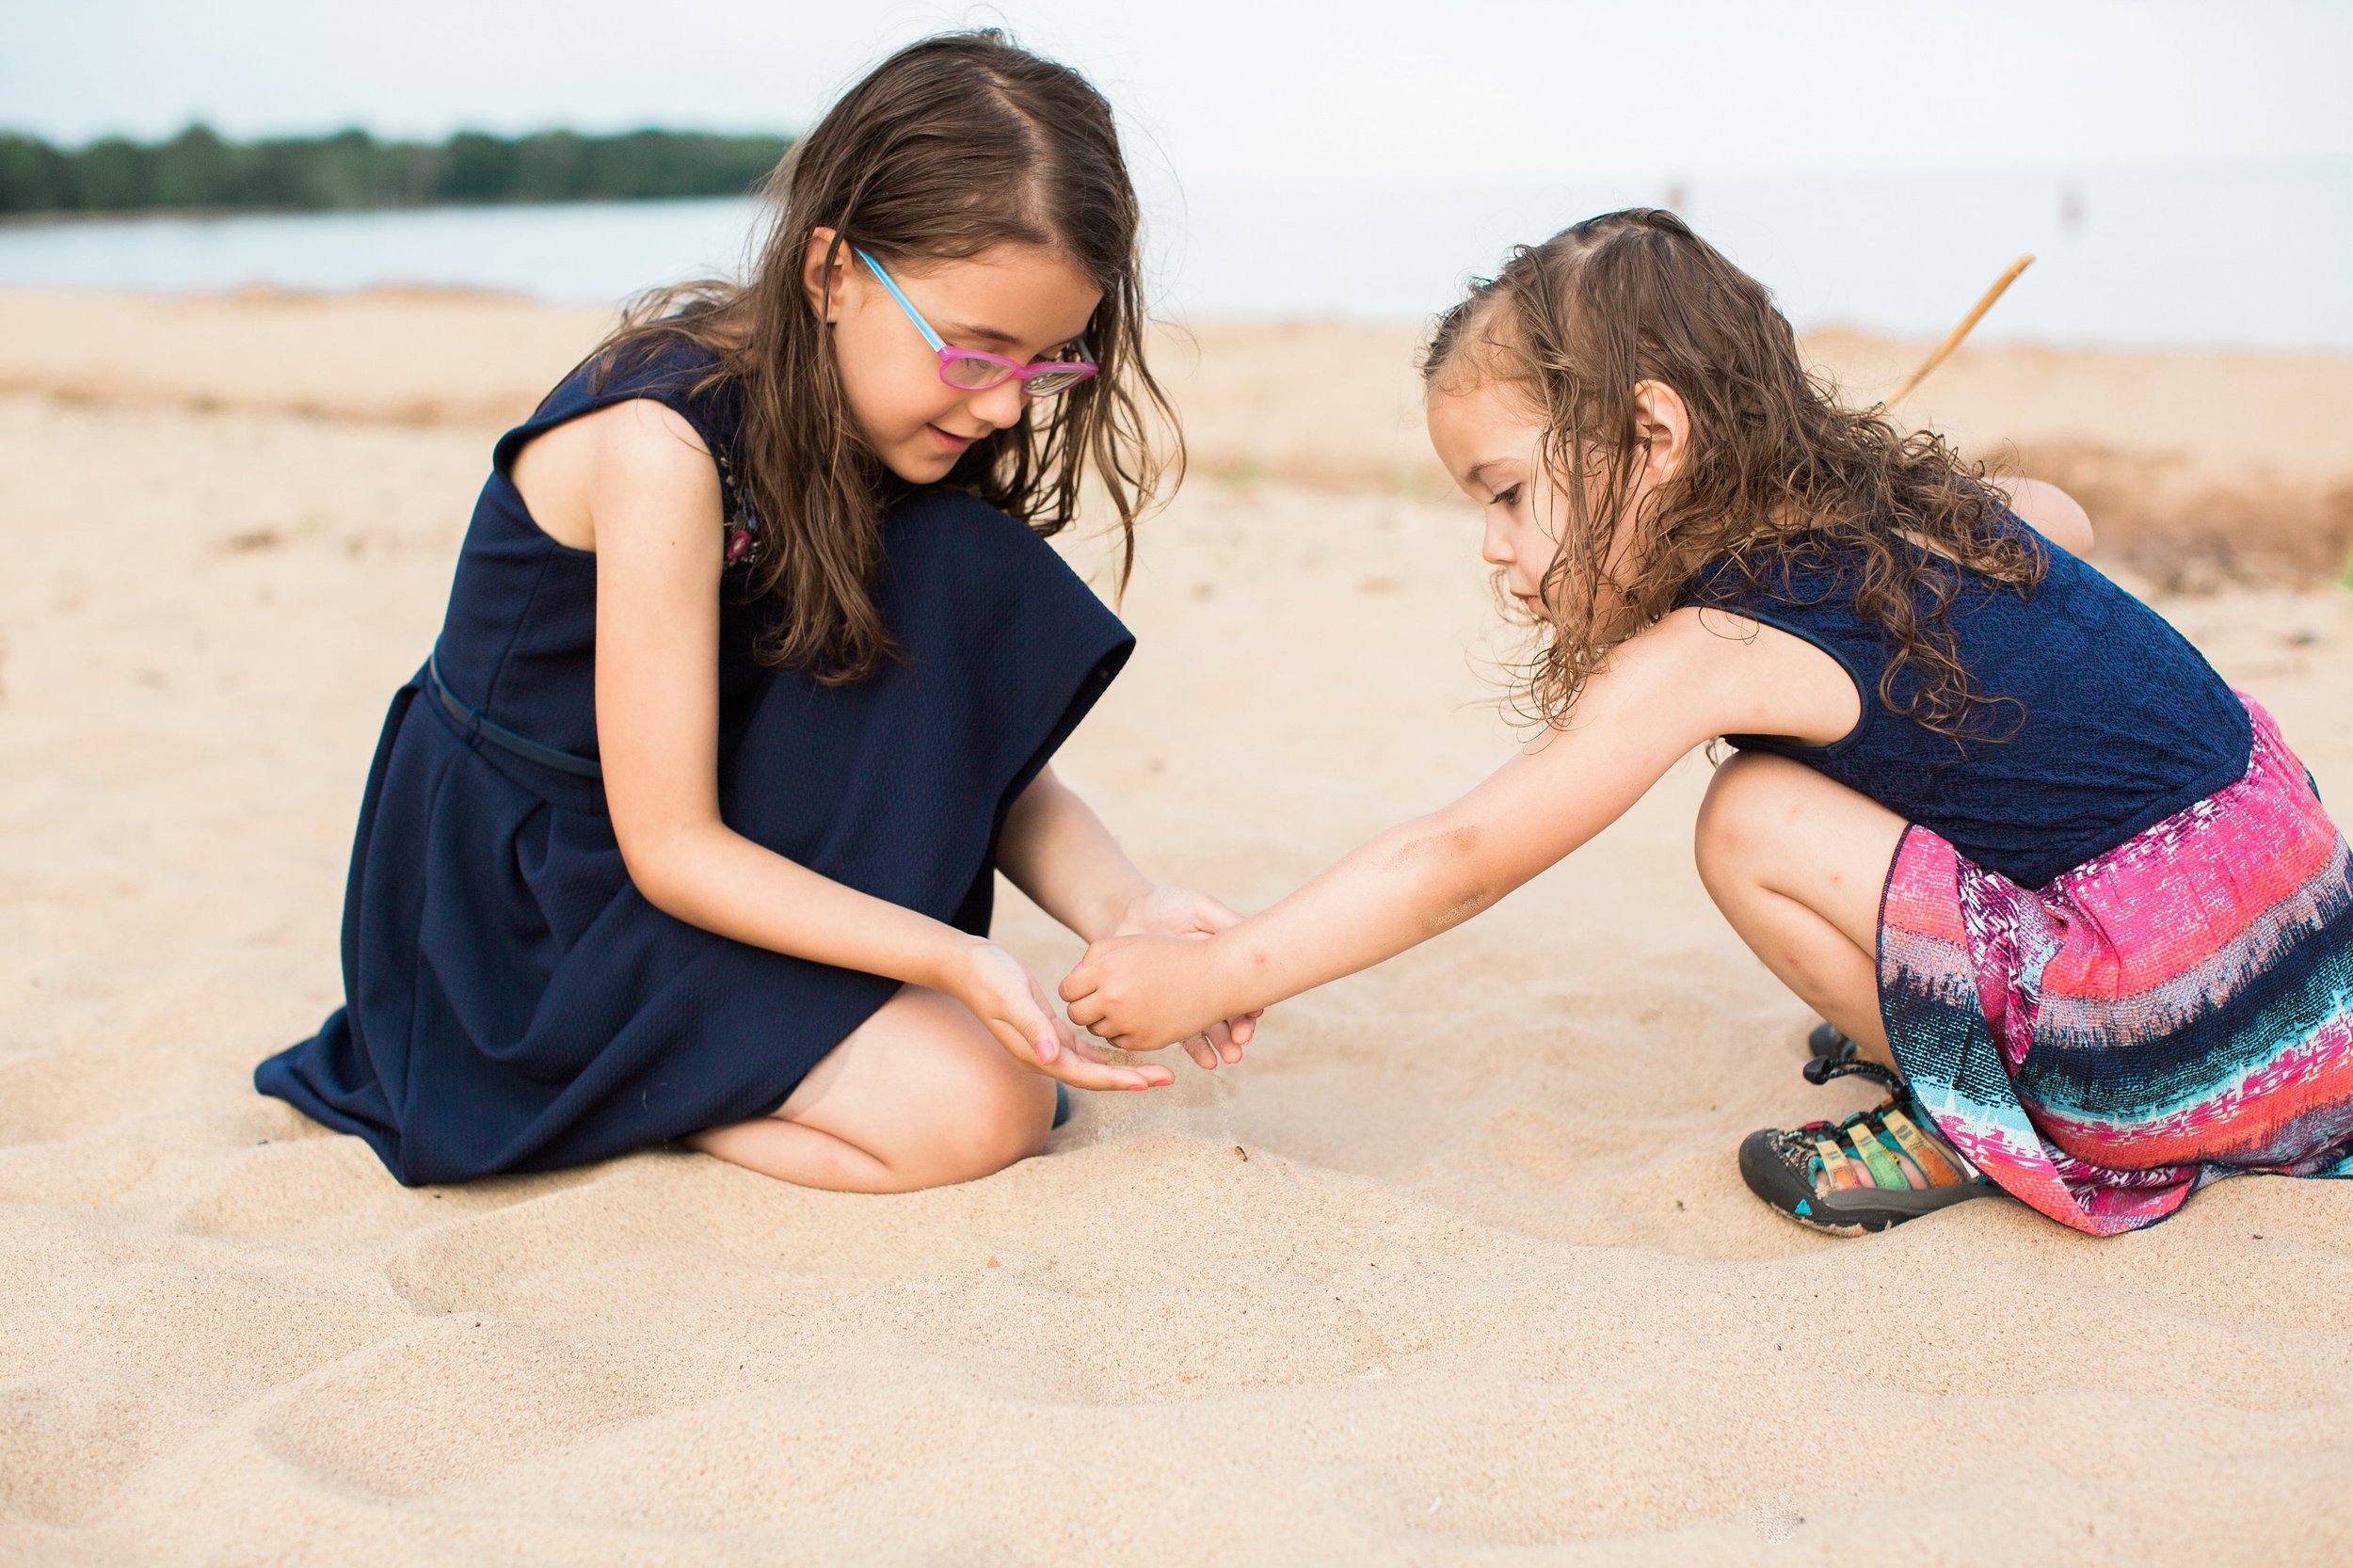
{"type": "Point", "coordinates": [1057, 851]}
{"type": "Point", "coordinates": [1395, 891]}
{"type": "Point", "coordinates": [1431, 874]}
{"type": "Point", "coordinates": [707, 874]}
{"type": "Point", "coordinates": [1401, 888]}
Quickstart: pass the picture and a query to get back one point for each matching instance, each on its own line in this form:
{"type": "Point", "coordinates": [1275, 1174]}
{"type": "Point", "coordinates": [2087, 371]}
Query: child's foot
{"type": "Point", "coordinates": [1876, 1168]}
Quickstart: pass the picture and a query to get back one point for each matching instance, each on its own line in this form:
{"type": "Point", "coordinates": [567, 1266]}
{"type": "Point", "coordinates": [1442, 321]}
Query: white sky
{"type": "Point", "coordinates": [1370, 90]}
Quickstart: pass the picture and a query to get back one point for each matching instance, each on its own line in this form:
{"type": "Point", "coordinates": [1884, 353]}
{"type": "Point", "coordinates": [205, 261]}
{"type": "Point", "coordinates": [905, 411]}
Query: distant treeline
{"type": "Point", "coordinates": [198, 170]}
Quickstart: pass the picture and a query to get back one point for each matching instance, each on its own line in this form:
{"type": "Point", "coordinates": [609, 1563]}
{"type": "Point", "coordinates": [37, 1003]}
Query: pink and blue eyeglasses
{"type": "Point", "coordinates": [969, 370]}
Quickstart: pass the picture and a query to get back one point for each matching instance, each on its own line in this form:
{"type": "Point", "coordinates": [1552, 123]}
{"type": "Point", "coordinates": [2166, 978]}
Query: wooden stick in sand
{"type": "Point", "coordinates": [1952, 339]}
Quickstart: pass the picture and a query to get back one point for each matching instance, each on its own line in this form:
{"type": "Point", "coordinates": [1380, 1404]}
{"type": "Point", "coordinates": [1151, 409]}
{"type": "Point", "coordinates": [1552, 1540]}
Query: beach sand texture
{"type": "Point", "coordinates": [1456, 1268]}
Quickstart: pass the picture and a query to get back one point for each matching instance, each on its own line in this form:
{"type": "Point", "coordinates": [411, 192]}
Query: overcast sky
{"type": "Point", "coordinates": [1232, 89]}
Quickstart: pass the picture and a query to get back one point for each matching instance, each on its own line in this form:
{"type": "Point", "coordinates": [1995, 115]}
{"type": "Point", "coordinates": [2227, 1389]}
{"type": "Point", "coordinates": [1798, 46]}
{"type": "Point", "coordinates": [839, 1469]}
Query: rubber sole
{"type": "Point", "coordinates": [1854, 1212]}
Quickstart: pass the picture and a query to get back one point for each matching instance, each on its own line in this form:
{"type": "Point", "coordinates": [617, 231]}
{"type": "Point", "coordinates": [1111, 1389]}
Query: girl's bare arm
{"type": "Point", "coordinates": [1056, 849]}
{"type": "Point", "coordinates": [1664, 693]}
{"type": "Point", "coordinates": [652, 499]}
{"type": "Point", "coordinates": [2050, 512]}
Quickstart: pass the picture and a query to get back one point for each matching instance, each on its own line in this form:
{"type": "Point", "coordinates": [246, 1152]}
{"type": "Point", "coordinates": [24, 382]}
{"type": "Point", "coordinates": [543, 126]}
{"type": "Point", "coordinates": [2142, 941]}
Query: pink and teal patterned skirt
{"type": "Point", "coordinates": [2177, 1010]}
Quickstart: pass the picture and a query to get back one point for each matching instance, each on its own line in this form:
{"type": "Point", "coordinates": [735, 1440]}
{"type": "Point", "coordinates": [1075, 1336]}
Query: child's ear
{"type": "Point", "coordinates": [1662, 422]}
{"type": "Point", "coordinates": [825, 272]}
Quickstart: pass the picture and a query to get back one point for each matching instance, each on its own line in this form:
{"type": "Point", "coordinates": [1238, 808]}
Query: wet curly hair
{"type": "Point", "coordinates": [1779, 471]}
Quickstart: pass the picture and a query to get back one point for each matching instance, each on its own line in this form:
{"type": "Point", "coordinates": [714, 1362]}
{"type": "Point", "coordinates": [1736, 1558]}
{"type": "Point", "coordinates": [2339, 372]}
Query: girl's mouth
{"type": "Point", "coordinates": [947, 441]}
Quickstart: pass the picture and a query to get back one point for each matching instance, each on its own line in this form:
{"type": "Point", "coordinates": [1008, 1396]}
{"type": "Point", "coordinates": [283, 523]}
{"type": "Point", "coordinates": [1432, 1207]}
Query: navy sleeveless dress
{"type": "Point", "coordinates": [2116, 941]}
{"type": "Point", "coordinates": [511, 1001]}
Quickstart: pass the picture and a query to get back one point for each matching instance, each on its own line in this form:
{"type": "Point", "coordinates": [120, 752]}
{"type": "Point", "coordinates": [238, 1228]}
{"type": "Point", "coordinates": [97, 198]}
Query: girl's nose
{"type": "Point", "coordinates": [1495, 544]}
{"type": "Point", "coordinates": [999, 407]}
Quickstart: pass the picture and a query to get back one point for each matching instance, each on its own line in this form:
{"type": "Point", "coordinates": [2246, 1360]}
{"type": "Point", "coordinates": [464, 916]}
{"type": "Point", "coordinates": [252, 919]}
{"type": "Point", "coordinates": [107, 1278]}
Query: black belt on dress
{"type": "Point", "coordinates": [504, 738]}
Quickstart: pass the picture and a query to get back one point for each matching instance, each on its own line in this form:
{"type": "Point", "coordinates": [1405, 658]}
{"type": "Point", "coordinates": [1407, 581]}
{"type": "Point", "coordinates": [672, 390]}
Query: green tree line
{"type": "Point", "coordinates": [198, 170]}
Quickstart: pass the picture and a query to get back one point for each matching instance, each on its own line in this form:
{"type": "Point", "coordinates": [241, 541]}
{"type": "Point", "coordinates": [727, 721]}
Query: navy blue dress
{"type": "Point", "coordinates": [511, 1001]}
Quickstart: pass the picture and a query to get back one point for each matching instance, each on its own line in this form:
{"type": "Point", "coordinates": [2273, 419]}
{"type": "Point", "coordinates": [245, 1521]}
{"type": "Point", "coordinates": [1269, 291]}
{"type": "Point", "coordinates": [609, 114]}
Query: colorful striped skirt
{"type": "Point", "coordinates": [2177, 1010]}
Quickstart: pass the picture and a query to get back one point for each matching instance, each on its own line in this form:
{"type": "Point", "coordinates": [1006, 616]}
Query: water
{"type": "Point", "coordinates": [2248, 256]}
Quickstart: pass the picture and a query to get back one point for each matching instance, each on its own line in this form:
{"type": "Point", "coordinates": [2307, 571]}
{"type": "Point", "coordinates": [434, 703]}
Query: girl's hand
{"type": "Point", "coordinates": [995, 988]}
{"type": "Point", "coordinates": [1143, 992]}
{"type": "Point", "coordinates": [1165, 910]}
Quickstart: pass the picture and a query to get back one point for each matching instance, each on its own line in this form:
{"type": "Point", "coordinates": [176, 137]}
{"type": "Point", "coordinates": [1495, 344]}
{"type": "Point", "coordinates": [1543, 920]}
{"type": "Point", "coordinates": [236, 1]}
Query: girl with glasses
{"type": "Point", "coordinates": [755, 663]}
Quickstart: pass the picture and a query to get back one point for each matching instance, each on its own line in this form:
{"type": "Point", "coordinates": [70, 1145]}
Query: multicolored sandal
{"type": "Point", "coordinates": [1875, 1169]}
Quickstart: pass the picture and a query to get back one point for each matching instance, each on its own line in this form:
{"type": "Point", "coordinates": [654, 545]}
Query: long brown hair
{"type": "Point", "coordinates": [951, 146]}
{"type": "Point", "coordinates": [1779, 469]}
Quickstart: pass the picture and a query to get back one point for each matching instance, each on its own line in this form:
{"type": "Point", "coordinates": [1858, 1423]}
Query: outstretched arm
{"type": "Point", "coordinates": [1056, 849]}
{"type": "Point", "coordinates": [1664, 693]}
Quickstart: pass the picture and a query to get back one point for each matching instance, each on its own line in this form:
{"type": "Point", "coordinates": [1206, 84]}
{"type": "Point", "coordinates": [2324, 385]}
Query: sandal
{"type": "Point", "coordinates": [1874, 1169]}
{"type": "Point", "coordinates": [1831, 1045]}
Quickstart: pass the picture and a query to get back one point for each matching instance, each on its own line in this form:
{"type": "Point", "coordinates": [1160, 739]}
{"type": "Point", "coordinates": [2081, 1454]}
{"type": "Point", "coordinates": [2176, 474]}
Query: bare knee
{"type": "Point", "coordinates": [1749, 812]}
{"type": "Point", "coordinates": [1000, 1116]}
{"type": "Point", "coordinates": [978, 1111]}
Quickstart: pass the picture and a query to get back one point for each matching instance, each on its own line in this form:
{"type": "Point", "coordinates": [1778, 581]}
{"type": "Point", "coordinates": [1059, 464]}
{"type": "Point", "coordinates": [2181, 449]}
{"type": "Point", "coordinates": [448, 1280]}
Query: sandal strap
{"type": "Point", "coordinates": [1886, 1148]}
{"type": "Point", "coordinates": [1942, 1164]}
{"type": "Point", "coordinates": [1876, 1157]}
{"type": "Point", "coordinates": [1822, 1069]}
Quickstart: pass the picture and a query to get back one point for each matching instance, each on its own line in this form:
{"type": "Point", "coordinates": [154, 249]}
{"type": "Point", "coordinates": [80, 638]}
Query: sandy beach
{"type": "Point", "coordinates": [1456, 1268]}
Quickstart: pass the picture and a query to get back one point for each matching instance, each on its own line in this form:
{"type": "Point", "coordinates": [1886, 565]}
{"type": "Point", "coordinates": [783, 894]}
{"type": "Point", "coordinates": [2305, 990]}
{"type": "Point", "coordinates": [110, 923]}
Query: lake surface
{"type": "Point", "coordinates": [2246, 256]}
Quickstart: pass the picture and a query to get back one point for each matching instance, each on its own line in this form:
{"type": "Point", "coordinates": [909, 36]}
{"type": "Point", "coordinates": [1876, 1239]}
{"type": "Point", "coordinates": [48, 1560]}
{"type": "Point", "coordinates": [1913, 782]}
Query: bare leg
{"type": "Point", "coordinates": [921, 1094]}
{"type": "Point", "coordinates": [1797, 863]}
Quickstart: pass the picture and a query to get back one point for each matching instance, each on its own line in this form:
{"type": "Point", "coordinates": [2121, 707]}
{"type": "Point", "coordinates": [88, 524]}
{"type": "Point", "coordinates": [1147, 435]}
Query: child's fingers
{"type": "Point", "coordinates": [1203, 1052]}
{"type": "Point", "coordinates": [1059, 1036]}
{"type": "Point", "coordinates": [1088, 1051]}
{"type": "Point", "coordinates": [1153, 1074]}
{"type": "Point", "coordinates": [1037, 1028]}
{"type": "Point", "coordinates": [1214, 915]}
{"type": "Point", "coordinates": [1019, 1042]}
{"type": "Point", "coordinates": [1081, 1070]}
{"type": "Point", "coordinates": [1040, 1029]}
{"type": "Point", "coordinates": [1219, 1038]}
{"type": "Point", "coordinates": [1093, 1075]}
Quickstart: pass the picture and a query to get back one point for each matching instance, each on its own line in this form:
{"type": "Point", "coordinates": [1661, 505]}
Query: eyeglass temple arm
{"type": "Point", "coordinates": [913, 315]}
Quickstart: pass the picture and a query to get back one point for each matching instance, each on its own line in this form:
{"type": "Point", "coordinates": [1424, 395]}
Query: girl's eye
{"type": "Point", "coordinates": [1506, 498]}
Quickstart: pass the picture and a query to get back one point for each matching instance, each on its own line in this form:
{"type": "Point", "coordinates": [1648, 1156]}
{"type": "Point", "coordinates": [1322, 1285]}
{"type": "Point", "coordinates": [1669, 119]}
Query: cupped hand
{"type": "Point", "coordinates": [998, 990]}
{"type": "Point", "coordinates": [1143, 992]}
{"type": "Point", "coordinates": [1166, 910]}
